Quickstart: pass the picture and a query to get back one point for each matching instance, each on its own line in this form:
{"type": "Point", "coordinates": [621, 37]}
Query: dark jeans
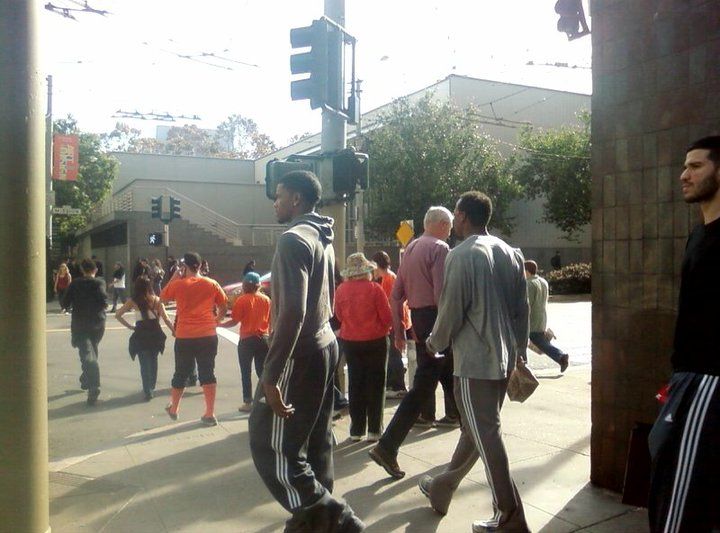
{"type": "Point", "coordinates": [538, 339]}
{"type": "Point", "coordinates": [249, 349]}
{"type": "Point", "coordinates": [189, 351]}
{"type": "Point", "coordinates": [118, 293]}
{"type": "Point", "coordinates": [395, 366]}
{"type": "Point", "coordinates": [87, 345]}
{"type": "Point", "coordinates": [148, 370]}
{"type": "Point", "coordinates": [430, 371]}
{"type": "Point", "coordinates": [366, 361]}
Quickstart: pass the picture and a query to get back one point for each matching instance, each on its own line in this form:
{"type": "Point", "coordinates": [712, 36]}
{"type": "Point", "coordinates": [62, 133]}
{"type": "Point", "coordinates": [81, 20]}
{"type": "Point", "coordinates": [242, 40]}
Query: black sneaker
{"type": "Point", "coordinates": [93, 396]}
{"type": "Point", "coordinates": [564, 362]}
{"type": "Point", "coordinates": [448, 422]}
{"type": "Point", "coordinates": [424, 423]}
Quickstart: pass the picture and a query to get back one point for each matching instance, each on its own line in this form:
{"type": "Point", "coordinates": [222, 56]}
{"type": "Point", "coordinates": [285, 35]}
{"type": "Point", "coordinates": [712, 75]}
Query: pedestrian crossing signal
{"type": "Point", "coordinates": [155, 238]}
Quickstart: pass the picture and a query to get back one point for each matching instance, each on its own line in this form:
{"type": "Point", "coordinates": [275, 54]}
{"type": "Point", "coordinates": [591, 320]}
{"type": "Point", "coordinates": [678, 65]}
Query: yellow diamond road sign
{"type": "Point", "coordinates": [405, 232]}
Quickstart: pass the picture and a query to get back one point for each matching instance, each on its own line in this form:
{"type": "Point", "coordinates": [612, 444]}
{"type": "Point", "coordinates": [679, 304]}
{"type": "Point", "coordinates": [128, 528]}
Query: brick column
{"type": "Point", "coordinates": [656, 87]}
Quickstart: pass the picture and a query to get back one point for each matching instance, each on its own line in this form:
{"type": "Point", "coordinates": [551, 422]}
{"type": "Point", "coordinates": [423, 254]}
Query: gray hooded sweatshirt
{"type": "Point", "coordinates": [303, 287]}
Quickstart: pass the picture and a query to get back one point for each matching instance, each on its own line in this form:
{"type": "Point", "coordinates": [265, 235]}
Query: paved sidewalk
{"type": "Point", "coordinates": [141, 472]}
{"type": "Point", "coordinates": [183, 477]}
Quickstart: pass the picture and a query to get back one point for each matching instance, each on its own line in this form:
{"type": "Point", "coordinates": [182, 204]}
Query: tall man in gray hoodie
{"type": "Point", "coordinates": [290, 424]}
{"type": "Point", "coordinates": [483, 311]}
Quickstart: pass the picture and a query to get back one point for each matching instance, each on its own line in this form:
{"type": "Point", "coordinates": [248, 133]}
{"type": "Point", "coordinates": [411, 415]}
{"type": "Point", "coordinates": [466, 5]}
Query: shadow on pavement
{"type": "Point", "coordinates": [626, 520]}
{"type": "Point", "coordinates": [64, 395]}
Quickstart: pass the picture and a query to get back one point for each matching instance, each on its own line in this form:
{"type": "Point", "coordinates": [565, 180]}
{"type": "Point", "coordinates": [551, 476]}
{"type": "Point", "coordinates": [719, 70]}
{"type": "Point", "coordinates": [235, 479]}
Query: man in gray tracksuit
{"type": "Point", "coordinates": [290, 424]}
{"type": "Point", "coordinates": [483, 312]}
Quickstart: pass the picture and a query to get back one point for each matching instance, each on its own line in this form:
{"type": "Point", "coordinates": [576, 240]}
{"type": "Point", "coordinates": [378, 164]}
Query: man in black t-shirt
{"type": "Point", "coordinates": [88, 299]}
{"type": "Point", "coordinates": [684, 442]}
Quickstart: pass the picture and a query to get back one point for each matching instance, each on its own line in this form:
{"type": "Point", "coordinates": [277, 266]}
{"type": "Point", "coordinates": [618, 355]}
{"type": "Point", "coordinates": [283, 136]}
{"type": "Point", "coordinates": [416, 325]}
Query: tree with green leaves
{"type": "Point", "coordinates": [554, 164]}
{"type": "Point", "coordinates": [429, 153]}
{"type": "Point", "coordinates": [97, 171]}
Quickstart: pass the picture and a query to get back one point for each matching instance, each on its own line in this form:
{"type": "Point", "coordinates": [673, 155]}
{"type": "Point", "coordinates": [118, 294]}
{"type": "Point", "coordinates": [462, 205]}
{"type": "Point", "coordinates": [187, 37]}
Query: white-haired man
{"type": "Point", "coordinates": [419, 282]}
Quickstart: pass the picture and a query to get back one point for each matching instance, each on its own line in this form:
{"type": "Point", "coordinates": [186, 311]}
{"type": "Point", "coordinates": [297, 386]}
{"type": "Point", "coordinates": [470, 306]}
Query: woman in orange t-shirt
{"type": "Point", "coordinates": [252, 311]}
{"type": "Point", "coordinates": [201, 305]}
{"type": "Point", "coordinates": [364, 314]}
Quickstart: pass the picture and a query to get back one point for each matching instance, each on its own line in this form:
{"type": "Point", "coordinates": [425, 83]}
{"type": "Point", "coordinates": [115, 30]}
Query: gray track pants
{"type": "Point", "coordinates": [479, 402]}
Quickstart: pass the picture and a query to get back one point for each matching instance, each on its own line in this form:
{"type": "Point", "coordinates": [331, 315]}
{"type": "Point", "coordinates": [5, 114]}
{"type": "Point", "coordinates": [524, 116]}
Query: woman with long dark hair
{"type": "Point", "coordinates": [148, 339]}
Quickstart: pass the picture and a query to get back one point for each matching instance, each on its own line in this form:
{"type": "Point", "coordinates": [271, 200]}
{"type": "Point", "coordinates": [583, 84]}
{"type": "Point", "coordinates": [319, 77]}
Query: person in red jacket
{"type": "Point", "coordinates": [363, 310]}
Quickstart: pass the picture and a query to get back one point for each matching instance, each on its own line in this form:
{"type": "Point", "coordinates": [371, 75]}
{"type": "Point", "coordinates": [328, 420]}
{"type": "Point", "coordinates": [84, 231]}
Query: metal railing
{"type": "Point", "coordinates": [137, 198]}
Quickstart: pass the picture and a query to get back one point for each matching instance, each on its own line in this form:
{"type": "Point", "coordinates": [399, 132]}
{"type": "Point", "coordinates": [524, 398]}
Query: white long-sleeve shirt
{"type": "Point", "coordinates": [483, 308]}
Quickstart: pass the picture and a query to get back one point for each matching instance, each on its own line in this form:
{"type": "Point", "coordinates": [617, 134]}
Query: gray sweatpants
{"type": "Point", "coordinates": [479, 402]}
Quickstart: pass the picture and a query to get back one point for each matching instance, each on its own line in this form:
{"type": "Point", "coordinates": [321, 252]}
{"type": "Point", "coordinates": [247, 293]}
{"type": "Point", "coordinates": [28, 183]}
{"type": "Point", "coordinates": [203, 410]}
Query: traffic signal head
{"type": "Point", "coordinates": [313, 62]}
{"type": "Point", "coordinates": [572, 18]}
{"type": "Point", "coordinates": [350, 169]}
{"type": "Point", "coordinates": [156, 207]}
{"type": "Point", "coordinates": [174, 208]}
{"type": "Point", "coordinates": [276, 169]}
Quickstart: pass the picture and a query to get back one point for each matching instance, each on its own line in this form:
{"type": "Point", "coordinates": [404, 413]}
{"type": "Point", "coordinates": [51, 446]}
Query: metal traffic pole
{"type": "Point", "coordinates": [23, 379]}
{"type": "Point", "coordinates": [333, 139]}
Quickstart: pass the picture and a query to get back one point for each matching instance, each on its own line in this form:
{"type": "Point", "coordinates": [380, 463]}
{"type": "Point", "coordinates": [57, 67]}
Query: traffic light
{"type": "Point", "coordinates": [155, 238]}
{"type": "Point", "coordinates": [156, 207]}
{"type": "Point", "coordinates": [174, 208]}
{"type": "Point", "coordinates": [313, 62]}
{"type": "Point", "coordinates": [350, 168]}
{"type": "Point", "coordinates": [277, 168]}
{"type": "Point", "coordinates": [572, 18]}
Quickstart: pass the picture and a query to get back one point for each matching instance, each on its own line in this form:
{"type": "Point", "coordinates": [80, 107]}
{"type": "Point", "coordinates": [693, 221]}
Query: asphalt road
{"type": "Point", "coordinates": [77, 430]}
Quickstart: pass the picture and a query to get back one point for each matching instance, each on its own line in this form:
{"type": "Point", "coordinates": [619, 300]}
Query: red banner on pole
{"type": "Point", "coordinates": [66, 157]}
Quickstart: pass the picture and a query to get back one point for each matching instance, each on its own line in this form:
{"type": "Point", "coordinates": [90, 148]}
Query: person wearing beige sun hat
{"type": "Point", "coordinates": [363, 310]}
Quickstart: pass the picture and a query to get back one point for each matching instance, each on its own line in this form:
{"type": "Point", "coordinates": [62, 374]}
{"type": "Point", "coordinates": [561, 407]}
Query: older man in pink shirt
{"type": "Point", "coordinates": [419, 282]}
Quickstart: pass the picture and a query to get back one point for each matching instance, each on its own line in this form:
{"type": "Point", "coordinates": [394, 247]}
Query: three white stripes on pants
{"type": "Point", "coordinates": [688, 451]}
{"type": "Point", "coordinates": [278, 430]}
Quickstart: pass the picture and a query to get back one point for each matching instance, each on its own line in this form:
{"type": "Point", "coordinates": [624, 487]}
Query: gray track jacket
{"type": "Point", "coordinates": [483, 308]}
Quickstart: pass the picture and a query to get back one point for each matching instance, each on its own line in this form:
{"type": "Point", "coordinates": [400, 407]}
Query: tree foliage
{"type": "Point", "coordinates": [242, 136]}
{"type": "Point", "coordinates": [97, 171]}
{"type": "Point", "coordinates": [428, 153]}
{"type": "Point", "coordinates": [555, 164]}
{"type": "Point", "coordinates": [236, 138]}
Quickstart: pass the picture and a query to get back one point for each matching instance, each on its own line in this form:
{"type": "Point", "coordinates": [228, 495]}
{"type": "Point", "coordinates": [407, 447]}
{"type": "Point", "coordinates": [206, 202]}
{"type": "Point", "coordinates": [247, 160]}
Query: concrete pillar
{"type": "Point", "coordinates": [23, 381]}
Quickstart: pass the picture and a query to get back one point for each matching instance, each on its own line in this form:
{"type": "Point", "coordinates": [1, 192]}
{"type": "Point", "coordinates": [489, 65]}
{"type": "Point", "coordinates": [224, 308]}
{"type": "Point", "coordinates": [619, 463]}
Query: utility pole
{"type": "Point", "coordinates": [333, 137]}
{"type": "Point", "coordinates": [23, 380]}
{"type": "Point", "coordinates": [49, 197]}
{"type": "Point", "coordinates": [360, 194]}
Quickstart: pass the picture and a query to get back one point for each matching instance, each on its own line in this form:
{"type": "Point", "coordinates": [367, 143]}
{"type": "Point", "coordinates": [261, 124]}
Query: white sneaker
{"type": "Point", "coordinates": [373, 437]}
{"type": "Point", "coordinates": [246, 407]}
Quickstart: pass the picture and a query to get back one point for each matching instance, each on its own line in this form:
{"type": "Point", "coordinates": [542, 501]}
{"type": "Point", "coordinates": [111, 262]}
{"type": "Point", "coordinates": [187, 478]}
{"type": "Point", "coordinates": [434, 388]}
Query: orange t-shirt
{"type": "Point", "coordinates": [196, 299]}
{"type": "Point", "coordinates": [386, 282]}
{"type": "Point", "coordinates": [252, 310]}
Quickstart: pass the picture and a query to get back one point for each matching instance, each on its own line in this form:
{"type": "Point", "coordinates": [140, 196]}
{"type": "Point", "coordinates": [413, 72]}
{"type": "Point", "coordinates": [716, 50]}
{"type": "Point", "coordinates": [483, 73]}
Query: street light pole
{"type": "Point", "coordinates": [23, 379]}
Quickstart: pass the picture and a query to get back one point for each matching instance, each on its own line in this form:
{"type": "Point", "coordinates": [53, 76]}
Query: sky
{"type": "Point", "coordinates": [129, 60]}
